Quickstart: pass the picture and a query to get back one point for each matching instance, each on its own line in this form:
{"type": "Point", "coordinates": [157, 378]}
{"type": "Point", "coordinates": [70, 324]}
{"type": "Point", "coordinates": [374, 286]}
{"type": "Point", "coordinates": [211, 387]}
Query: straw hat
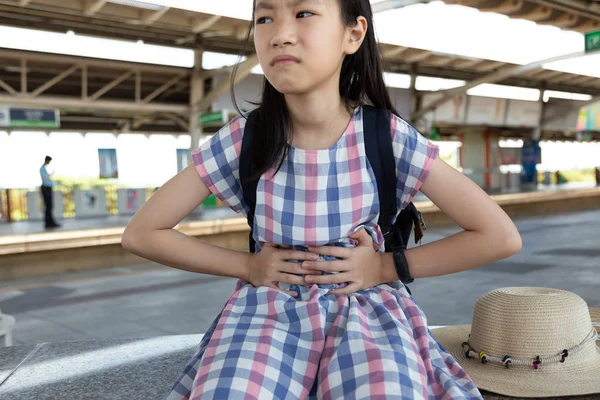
{"type": "Point", "coordinates": [524, 323]}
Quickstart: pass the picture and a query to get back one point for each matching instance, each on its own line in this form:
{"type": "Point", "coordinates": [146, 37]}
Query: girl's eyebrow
{"type": "Point", "coordinates": [265, 5]}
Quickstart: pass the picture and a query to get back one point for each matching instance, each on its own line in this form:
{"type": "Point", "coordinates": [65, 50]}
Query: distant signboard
{"type": "Point", "coordinates": [130, 200]}
{"type": "Point", "coordinates": [29, 118]}
{"type": "Point", "coordinates": [107, 159]}
{"type": "Point", "coordinates": [182, 159]}
{"type": "Point", "coordinates": [4, 116]}
{"type": "Point", "coordinates": [589, 118]}
{"type": "Point", "coordinates": [90, 203]}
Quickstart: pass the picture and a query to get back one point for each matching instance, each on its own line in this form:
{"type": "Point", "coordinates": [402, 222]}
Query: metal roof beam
{"type": "Point", "coordinates": [55, 80]}
{"type": "Point", "coordinates": [154, 16]}
{"type": "Point", "coordinates": [178, 120]}
{"type": "Point", "coordinates": [394, 52]}
{"type": "Point", "coordinates": [423, 55]}
{"type": "Point", "coordinates": [7, 87]}
{"type": "Point", "coordinates": [467, 64]}
{"type": "Point", "coordinates": [243, 71]}
{"type": "Point", "coordinates": [573, 7]}
{"type": "Point", "coordinates": [93, 7]}
{"type": "Point", "coordinates": [87, 105]}
{"type": "Point", "coordinates": [392, 4]}
{"type": "Point", "coordinates": [164, 87]}
{"type": "Point", "coordinates": [547, 74]}
{"type": "Point", "coordinates": [506, 7]}
{"type": "Point", "coordinates": [199, 26]}
{"type": "Point", "coordinates": [24, 3]}
{"type": "Point", "coordinates": [90, 62]}
{"type": "Point", "coordinates": [538, 13]}
{"type": "Point", "coordinates": [111, 85]}
{"type": "Point", "coordinates": [490, 78]}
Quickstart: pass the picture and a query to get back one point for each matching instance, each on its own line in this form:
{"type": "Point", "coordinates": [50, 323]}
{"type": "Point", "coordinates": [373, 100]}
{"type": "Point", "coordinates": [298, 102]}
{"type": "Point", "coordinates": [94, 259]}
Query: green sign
{"type": "Point", "coordinates": [435, 134]}
{"type": "Point", "coordinates": [592, 41]}
{"type": "Point", "coordinates": [214, 118]}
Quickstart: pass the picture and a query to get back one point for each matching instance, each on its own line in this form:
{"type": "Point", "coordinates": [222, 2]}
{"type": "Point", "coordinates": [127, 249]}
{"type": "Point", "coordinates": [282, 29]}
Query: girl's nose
{"type": "Point", "coordinates": [284, 35]}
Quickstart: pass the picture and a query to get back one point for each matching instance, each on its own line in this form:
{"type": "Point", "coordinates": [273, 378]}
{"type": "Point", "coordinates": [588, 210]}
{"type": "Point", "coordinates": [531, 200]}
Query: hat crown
{"type": "Point", "coordinates": [525, 322]}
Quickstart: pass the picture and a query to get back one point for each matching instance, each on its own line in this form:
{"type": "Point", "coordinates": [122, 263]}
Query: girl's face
{"type": "Point", "coordinates": [301, 43]}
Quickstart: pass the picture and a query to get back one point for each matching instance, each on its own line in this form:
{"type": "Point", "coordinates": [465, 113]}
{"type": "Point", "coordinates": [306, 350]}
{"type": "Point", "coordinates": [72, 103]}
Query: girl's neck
{"type": "Point", "coordinates": [319, 118]}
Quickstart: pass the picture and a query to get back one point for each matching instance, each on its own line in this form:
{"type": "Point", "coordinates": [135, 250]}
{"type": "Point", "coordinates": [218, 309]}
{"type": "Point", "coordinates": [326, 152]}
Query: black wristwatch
{"type": "Point", "coordinates": [401, 265]}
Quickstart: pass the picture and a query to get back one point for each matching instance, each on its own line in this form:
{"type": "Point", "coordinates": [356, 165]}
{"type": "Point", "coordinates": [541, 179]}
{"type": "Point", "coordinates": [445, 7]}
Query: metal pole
{"type": "Point", "coordinates": [8, 207]}
{"type": "Point", "coordinates": [196, 94]}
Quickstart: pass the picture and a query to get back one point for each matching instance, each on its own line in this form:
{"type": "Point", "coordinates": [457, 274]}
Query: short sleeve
{"type": "Point", "coordinates": [414, 155]}
{"type": "Point", "coordinates": [217, 163]}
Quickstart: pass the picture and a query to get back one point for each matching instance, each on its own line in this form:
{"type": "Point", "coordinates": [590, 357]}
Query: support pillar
{"type": "Point", "coordinates": [414, 101]}
{"type": "Point", "coordinates": [537, 132]}
{"type": "Point", "coordinates": [196, 95]}
{"type": "Point", "coordinates": [481, 159]}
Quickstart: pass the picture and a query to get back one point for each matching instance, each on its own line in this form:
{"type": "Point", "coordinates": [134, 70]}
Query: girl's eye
{"type": "Point", "coordinates": [263, 20]}
{"type": "Point", "coordinates": [304, 14]}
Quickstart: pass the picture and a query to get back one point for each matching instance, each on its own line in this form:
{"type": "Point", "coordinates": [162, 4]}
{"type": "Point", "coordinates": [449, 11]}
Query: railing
{"type": "Point", "coordinates": [13, 202]}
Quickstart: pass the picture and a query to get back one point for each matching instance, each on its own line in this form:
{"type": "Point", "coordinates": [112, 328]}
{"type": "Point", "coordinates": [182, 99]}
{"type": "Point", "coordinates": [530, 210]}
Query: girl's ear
{"type": "Point", "coordinates": [355, 35]}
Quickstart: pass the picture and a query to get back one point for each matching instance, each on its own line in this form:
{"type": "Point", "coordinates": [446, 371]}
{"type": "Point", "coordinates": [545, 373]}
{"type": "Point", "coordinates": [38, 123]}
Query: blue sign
{"type": "Point", "coordinates": [31, 118]}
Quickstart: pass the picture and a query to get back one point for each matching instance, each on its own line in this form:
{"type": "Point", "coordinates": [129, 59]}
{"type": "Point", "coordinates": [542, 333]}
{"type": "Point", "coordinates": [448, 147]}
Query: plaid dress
{"type": "Point", "coordinates": [373, 344]}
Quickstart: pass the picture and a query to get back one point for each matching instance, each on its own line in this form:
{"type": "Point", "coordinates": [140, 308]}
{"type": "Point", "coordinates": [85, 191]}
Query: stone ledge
{"type": "Point", "coordinates": [134, 369]}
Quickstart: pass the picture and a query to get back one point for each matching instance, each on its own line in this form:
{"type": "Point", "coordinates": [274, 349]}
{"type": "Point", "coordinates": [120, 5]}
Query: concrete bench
{"type": "Point", "coordinates": [132, 369]}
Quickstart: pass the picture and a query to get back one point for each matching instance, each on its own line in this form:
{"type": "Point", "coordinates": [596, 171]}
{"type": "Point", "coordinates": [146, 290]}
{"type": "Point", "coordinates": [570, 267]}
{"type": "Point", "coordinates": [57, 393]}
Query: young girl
{"type": "Point", "coordinates": [318, 311]}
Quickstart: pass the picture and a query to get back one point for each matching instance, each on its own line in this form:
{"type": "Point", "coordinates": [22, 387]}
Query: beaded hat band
{"type": "Point", "coordinates": [535, 363]}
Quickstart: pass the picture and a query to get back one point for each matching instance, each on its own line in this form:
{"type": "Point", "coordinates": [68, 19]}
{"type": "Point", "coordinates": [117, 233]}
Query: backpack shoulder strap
{"type": "Point", "coordinates": [380, 153]}
{"type": "Point", "coordinates": [248, 183]}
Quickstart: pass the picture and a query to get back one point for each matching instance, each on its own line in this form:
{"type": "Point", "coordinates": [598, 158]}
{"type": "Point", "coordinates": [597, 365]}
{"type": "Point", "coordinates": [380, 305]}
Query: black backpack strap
{"type": "Point", "coordinates": [380, 153]}
{"type": "Point", "coordinates": [249, 185]}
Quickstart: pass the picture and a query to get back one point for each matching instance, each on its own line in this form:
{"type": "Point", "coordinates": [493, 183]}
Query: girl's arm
{"type": "Point", "coordinates": [489, 234]}
{"type": "Point", "coordinates": [150, 232]}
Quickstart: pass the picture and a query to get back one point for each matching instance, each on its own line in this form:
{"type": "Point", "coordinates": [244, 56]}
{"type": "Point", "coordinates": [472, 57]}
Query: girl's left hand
{"type": "Point", "coordinates": [360, 267]}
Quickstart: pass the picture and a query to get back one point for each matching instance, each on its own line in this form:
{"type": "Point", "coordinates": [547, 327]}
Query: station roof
{"type": "Point", "coordinates": [576, 15]}
{"type": "Point", "coordinates": [170, 26]}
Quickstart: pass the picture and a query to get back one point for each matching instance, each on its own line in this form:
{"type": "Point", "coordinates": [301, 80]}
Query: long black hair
{"type": "Point", "coordinates": [361, 82]}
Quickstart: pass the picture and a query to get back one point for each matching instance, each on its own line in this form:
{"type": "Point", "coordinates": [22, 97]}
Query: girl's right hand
{"type": "Point", "coordinates": [272, 265]}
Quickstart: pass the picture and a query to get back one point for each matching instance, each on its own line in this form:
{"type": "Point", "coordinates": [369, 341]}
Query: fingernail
{"type": "Point", "coordinates": [309, 278]}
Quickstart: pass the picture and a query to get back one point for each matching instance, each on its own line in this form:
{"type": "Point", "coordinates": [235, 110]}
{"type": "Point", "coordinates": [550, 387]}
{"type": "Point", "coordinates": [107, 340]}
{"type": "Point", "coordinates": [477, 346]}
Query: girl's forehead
{"type": "Point", "coordinates": [271, 4]}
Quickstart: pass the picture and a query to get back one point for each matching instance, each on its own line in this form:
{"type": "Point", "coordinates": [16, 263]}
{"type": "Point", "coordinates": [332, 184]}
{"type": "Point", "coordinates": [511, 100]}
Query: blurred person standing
{"type": "Point", "coordinates": [47, 185]}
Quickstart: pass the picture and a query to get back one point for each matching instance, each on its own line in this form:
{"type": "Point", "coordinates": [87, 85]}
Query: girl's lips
{"type": "Point", "coordinates": [284, 60]}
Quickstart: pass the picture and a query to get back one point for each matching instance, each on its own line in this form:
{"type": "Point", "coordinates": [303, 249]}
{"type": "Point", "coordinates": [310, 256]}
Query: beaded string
{"type": "Point", "coordinates": [508, 362]}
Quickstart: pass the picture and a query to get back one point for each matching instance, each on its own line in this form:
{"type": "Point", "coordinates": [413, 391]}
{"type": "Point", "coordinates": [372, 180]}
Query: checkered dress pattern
{"type": "Point", "coordinates": [373, 344]}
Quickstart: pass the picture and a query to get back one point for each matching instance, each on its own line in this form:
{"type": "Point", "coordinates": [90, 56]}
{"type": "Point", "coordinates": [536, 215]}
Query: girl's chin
{"type": "Point", "coordinates": [289, 87]}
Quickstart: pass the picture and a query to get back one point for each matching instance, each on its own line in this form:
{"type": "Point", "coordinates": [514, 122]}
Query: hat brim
{"type": "Point", "coordinates": [519, 383]}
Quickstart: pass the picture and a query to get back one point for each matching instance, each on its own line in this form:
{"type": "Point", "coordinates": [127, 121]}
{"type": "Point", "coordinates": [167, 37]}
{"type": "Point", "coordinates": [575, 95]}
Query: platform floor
{"type": "Point", "coordinates": [70, 224]}
{"type": "Point", "coordinates": [113, 221]}
{"type": "Point", "coordinates": [559, 251]}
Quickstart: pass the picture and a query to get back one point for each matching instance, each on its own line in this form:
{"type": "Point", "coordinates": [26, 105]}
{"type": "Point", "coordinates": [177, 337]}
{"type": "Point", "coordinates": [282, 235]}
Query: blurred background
{"type": "Point", "coordinates": [117, 92]}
